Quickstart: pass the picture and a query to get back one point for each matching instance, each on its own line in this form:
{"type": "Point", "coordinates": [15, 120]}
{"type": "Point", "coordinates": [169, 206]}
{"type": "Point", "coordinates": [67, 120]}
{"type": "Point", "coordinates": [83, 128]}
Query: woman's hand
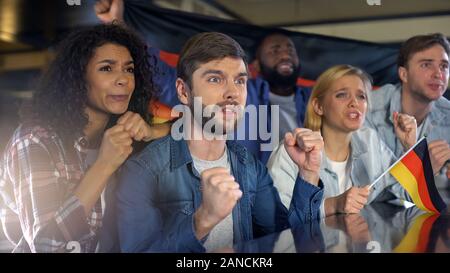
{"type": "Point", "coordinates": [351, 201]}
{"type": "Point", "coordinates": [139, 129]}
{"type": "Point", "coordinates": [115, 148]}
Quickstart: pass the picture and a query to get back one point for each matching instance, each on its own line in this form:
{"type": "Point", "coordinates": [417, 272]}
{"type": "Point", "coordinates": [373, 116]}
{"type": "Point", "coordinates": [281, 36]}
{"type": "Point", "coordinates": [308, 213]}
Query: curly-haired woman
{"type": "Point", "coordinates": [90, 106]}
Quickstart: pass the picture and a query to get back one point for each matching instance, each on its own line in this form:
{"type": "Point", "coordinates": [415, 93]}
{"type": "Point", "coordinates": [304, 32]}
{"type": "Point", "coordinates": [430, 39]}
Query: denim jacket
{"type": "Point", "coordinates": [257, 95]}
{"type": "Point", "coordinates": [387, 99]}
{"type": "Point", "coordinates": [369, 158]}
{"type": "Point", "coordinates": [159, 191]}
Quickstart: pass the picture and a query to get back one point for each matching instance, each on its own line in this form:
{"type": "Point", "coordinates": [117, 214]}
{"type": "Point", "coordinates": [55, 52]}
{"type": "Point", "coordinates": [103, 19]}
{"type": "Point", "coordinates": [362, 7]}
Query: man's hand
{"type": "Point", "coordinates": [109, 10]}
{"type": "Point", "coordinates": [305, 149]}
{"type": "Point", "coordinates": [439, 154]}
{"type": "Point", "coordinates": [220, 193]}
{"type": "Point", "coordinates": [405, 127]}
{"type": "Point", "coordinates": [448, 170]}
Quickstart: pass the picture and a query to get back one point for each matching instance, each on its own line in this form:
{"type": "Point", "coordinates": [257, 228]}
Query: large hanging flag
{"type": "Point", "coordinates": [414, 172]}
{"type": "Point", "coordinates": [168, 30]}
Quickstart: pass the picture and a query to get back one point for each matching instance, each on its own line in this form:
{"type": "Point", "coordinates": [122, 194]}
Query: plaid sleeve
{"type": "Point", "coordinates": [8, 216]}
{"type": "Point", "coordinates": [50, 215]}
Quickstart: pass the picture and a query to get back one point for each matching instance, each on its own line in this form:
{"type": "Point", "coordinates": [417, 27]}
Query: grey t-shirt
{"type": "Point", "coordinates": [288, 112]}
{"type": "Point", "coordinates": [221, 235]}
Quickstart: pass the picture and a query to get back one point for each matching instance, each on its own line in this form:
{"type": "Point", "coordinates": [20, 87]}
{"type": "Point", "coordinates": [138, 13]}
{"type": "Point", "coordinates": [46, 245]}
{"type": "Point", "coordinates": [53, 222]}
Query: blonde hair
{"type": "Point", "coordinates": [323, 84]}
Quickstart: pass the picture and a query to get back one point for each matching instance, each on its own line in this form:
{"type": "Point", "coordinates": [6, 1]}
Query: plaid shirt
{"type": "Point", "coordinates": [38, 208]}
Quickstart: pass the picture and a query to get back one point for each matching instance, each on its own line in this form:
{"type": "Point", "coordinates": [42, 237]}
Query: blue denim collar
{"type": "Point", "coordinates": [396, 102]}
{"type": "Point", "coordinates": [358, 146]}
{"type": "Point", "coordinates": [180, 154]}
{"type": "Point", "coordinates": [435, 113]}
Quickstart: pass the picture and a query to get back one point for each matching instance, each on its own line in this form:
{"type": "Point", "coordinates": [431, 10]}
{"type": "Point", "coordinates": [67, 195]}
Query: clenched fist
{"type": "Point", "coordinates": [305, 149]}
{"type": "Point", "coordinates": [115, 147]}
{"type": "Point", "coordinates": [220, 193]}
{"type": "Point", "coordinates": [439, 154]}
{"type": "Point", "coordinates": [405, 127]}
{"type": "Point", "coordinates": [136, 126]}
{"type": "Point", "coordinates": [109, 10]}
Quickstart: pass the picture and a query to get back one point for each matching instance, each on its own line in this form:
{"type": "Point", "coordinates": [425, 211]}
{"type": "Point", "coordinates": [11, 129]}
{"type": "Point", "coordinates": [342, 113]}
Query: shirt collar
{"type": "Point", "coordinates": [435, 113]}
{"type": "Point", "coordinates": [180, 154]}
{"type": "Point", "coordinates": [81, 144]}
{"type": "Point", "coordinates": [358, 146]}
{"type": "Point", "coordinates": [395, 105]}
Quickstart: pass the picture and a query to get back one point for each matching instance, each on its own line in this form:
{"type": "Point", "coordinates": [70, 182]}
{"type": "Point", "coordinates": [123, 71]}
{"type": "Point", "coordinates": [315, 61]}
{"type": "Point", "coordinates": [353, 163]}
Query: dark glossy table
{"type": "Point", "coordinates": [379, 227]}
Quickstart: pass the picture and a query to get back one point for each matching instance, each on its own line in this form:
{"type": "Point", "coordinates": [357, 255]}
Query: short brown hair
{"type": "Point", "coordinates": [419, 43]}
{"type": "Point", "coordinates": [205, 47]}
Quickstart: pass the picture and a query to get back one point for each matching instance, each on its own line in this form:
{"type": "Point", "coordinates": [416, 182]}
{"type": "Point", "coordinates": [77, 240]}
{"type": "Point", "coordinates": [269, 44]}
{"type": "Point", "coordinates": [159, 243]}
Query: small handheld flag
{"type": "Point", "coordinates": [414, 172]}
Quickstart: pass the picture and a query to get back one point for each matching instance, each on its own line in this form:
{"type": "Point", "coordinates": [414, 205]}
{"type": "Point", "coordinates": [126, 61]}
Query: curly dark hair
{"type": "Point", "coordinates": [61, 95]}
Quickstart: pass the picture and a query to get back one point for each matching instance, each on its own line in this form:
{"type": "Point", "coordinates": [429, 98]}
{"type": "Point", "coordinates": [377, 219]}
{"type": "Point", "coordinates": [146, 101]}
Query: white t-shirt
{"type": "Point", "coordinates": [221, 235]}
{"type": "Point", "coordinates": [343, 174]}
{"type": "Point", "coordinates": [344, 180]}
{"type": "Point", "coordinates": [419, 132]}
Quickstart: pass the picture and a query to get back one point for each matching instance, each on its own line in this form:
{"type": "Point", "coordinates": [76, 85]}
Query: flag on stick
{"type": "Point", "coordinates": [414, 172]}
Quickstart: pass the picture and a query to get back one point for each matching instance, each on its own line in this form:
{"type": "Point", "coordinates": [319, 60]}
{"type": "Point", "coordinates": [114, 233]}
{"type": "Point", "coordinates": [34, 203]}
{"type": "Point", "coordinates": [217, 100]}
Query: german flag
{"type": "Point", "coordinates": [168, 30]}
{"type": "Point", "coordinates": [161, 113]}
{"type": "Point", "coordinates": [414, 172]}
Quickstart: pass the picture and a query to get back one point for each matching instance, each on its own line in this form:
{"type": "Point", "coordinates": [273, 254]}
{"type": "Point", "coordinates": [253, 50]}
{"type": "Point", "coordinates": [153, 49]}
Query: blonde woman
{"type": "Point", "coordinates": [354, 155]}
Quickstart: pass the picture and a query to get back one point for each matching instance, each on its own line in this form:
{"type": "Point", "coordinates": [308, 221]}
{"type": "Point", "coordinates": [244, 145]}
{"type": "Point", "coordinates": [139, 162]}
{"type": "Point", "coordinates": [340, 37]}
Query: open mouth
{"type": "Point", "coordinates": [285, 67]}
{"type": "Point", "coordinates": [354, 115]}
{"type": "Point", "coordinates": [118, 98]}
{"type": "Point", "coordinates": [230, 111]}
{"type": "Point", "coordinates": [436, 86]}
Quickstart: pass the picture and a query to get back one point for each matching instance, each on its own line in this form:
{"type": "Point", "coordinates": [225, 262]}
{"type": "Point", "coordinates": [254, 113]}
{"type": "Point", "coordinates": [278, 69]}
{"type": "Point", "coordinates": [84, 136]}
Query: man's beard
{"type": "Point", "coordinates": [275, 79]}
{"type": "Point", "coordinates": [211, 119]}
{"type": "Point", "coordinates": [421, 95]}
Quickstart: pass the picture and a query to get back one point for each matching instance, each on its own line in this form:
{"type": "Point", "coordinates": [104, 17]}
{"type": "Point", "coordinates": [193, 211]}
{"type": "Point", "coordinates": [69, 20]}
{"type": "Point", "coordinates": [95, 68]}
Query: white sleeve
{"type": "Point", "coordinates": [283, 172]}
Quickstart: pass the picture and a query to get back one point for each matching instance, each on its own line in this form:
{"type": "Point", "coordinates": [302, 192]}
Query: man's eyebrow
{"type": "Point", "coordinates": [431, 60]}
{"type": "Point", "coordinates": [243, 74]}
{"type": "Point", "coordinates": [212, 71]}
{"type": "Point", "coordinates": [219, 72]}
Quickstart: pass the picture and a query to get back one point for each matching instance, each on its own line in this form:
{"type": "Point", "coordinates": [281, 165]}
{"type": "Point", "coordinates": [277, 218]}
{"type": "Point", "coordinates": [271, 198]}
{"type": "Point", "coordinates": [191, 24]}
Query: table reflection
{"type": "Point", "coordinates": [378, 228]}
